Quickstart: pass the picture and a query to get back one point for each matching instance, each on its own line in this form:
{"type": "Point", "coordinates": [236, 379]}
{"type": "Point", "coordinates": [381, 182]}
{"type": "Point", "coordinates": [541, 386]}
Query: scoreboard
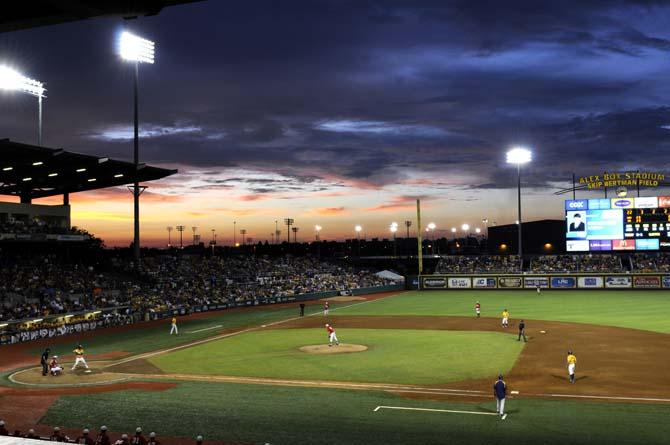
{"type": "Point", "coordinates": [641, 223]}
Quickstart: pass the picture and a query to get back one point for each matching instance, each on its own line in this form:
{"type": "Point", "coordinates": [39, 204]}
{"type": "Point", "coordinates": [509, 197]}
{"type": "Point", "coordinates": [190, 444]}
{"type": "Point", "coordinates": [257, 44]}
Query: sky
{"type": "Point", "coordinates": [340, 113]}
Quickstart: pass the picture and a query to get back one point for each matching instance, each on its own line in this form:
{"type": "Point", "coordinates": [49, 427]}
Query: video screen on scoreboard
{"type": "Point", "coordinates": [617, 224]}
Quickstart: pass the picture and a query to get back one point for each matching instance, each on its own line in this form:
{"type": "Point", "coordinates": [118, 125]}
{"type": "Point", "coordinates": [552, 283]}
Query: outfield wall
{"type": "Point", "coordinates": [543, 281]}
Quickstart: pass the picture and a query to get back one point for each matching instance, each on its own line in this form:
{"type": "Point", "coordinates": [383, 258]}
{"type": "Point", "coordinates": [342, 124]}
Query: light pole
{"type": "Point", "coordinates": [169, 230]}
{"type": "Point", "coordinates": [317, 229]}
{"type": "Point", "coordinates": [243, 232]}
{"type": "Point", "coordinates": [408, 224]}
{"type": "Point", "coordinates": [138, 50]}
{"type": "Point", "coordinates": [12, 80]}
{"type": "Point", "coordinates": [394, 229]}
{"type": "Point", "coordinates": [295, 234]}
{"type": "Point", "coordinates": [431, 227]}
{"type": "Point", "coordinates": [180, 229]}
{"type": "Point", "coordinates": [358, 230]}
{"type": "Point", "coordinates": [453, 232]}
{"type": "Point", "coordinates": [213, 242]}
{"type": "Point", "coordinates": [519, 156]}
{"type": "Point", "coordinates": [194, 229]}
{"type": "Point", "coordinates": [276, 234]}
{"type": "Point", "coordinates": [289, 222]}
{"type": "Point", "coordinates": [234, 234]}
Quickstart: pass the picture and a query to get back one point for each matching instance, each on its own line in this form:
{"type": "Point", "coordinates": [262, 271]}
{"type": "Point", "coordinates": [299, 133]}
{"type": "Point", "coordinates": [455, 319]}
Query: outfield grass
{"type": "Point", "coordinates": [648, 310]}
{"type": "Point", "coordinates": [394, 356]}
{"type": "Point", "coordinates": [150, 338]}
{"type": "Point", "coordinates": [288, 415]}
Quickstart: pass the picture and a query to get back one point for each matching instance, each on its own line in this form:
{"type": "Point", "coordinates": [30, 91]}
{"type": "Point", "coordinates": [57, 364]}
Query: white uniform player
{"type": "Point", "coordinates": [326, 308]}
{"type": "Point", "coordinates": [332, 337]}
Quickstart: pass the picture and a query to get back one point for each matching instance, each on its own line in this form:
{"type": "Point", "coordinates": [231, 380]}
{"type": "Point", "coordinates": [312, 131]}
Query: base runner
{"type": "Point", "coordinates": [332, 337]}
{"type": "Point", "coordinates": [79, 357]}
{"type": "Point", "coordinates": [572, 363]}
{"type": "Point", "coordinates": [174, 329]}
{"type": "Point", "coordinates": [478, 309]}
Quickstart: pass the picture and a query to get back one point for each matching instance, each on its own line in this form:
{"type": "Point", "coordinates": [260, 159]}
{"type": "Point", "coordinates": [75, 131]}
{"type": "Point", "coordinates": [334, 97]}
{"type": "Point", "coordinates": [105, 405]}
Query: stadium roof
{"type": "Point", "coordinates": [30, 171]}
{"type": "Point", "coordinates": [22, 15]}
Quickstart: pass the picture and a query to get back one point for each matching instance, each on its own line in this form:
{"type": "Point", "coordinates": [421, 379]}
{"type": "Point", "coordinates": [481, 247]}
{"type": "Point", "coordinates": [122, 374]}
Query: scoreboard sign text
{"type": "Point", "coordinates": [626, 179]}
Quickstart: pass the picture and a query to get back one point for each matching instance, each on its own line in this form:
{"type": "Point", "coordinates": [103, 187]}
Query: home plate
{"type": "Point", "coordinates": [515, 392]}
{"type": "Point", "coordinates": [88, 371]}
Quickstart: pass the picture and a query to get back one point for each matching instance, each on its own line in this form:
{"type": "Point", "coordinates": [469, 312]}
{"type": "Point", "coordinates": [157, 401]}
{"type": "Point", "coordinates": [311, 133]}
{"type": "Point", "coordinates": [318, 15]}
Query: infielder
{"type": "Point", "coordinates": [332, 337]}
{"type": "Point", "coordinates": [572, 363]}
{"type": "Point", "coordinates": [478, 309]}
{"type": "Point", "coordinates": [326, 308]}
{"type": "Point", "coordinates": [79, 357]}
{"type": "Point", "coordinates": [499, 392]}
{"type": "Point", "coordinates": [505, 318]}
{"type": "Point", "coordinates": [174, 329]}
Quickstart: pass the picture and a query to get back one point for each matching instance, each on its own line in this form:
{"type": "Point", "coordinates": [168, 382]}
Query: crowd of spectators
{"type": "Point", "coordinates": [576, 263]}
{"type": "Point", "coordinates": [650, 262]}
{"type": "Point", "coordinates": [87, 437]}
{"type": "Point", "coordinates": [479, 264]}
{"type": "Point", "coordinates": [188, 281]}
{"type": "Point", "coordinates": [42, 287]}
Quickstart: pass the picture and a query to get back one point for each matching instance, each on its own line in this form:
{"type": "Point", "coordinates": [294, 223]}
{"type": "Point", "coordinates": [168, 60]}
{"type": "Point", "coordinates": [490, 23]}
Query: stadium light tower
{"type": "Point", "coordinates": [169, 230]}
{"type": "Point", "coordinates": [519, 156]}
{"type": "Point", "coordinates": [394, 229]}
{"type": "Point", "coordinates": [358, 230]}
{"type": "Point", "coordinates": [138, 50]}
{"type": "Point", "coordinates": [13, 81]}
{"type": "Point", "coordinates": [288, 222]}
{"type": "Point", "coordinates": [317, 229]}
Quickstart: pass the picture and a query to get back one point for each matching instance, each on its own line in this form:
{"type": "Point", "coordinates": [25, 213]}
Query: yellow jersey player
{"type": "Point", "coordinates": [79, 357]}
{"type": "Point", "coordinates": [174, 329]}
{"type": "Point", "coordinates": [572, 363]}
{"type": "Point", "coordinates": [505, 318]}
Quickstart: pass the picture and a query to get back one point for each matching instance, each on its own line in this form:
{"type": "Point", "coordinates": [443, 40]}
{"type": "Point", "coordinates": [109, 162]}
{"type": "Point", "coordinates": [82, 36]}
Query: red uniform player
{"type": "Point", "coordinates": [326, 308]}
{"type": "Point", "coordinates": [332, 337]}
{"type": "Point", "coordinates": [478, 309]}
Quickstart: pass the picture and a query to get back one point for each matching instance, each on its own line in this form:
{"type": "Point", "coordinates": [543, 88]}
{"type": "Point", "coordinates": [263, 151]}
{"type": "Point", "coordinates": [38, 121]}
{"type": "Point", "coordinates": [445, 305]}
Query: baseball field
{"type": "Point", "coordinates": [411, 367]}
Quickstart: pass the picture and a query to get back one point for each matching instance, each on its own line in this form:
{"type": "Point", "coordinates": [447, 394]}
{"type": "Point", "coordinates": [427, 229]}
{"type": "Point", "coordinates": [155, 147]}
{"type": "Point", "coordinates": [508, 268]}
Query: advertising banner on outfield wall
{"type": "Point", "coordinates": [434, 283]}
{"type": "Point", "coordinates": [484, 282]}
{"type": "Point", "coordinates": [647, 281]}
{"type": "Point", "coordinates": [618, 282]}
{"type": "Point", "coordinates": [533, 282]}
{"type": "Point", "coordinates": [666, 281]}
{"type": "Point", "coordinates": [509, 282]}
{"type": "Point", "coordinates": [590, 282]}
{"type": "Point", "coordinates": [563, 282]}
{"type": "Point", "coordinates": [460, 282]}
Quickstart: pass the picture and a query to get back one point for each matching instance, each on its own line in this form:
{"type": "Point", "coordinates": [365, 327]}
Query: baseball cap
{"type": "Point", "coordinates": [138, 429]}
{"type": "Point", "coordinates": [152, 434]}
{"type": "Point", "coordinates": [31, 431]}
{"type": "Point", "coordinates": [85, 431]}
{"type": "Point", "coordinates": [56, 428]}
{"type": "Point", "coordinates": [124, 436]}
{"type": "Point", "coordinates": [198, 438]}
{"type": "Point", "coordinates": [2, 423]}
{"type": "Point", "coordinates": [103, 428]}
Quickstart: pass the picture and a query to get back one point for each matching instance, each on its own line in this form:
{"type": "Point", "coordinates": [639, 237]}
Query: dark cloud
{"type": "Point", "coordinates": [363, 92]}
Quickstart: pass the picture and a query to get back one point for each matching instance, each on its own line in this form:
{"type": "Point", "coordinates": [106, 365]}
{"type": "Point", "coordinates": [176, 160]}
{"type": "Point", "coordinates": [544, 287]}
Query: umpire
{"type": "Point", "coordinates": [522, 331]}
{"type": "Point", "coordinates": [44, 361]}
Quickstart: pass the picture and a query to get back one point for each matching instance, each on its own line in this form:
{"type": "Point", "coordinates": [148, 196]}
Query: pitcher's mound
{"type": "Point", "coordinates": [335, 349]}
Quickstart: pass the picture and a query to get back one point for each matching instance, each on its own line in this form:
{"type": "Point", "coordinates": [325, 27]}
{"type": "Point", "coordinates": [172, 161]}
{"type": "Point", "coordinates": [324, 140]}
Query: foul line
{"type": "Point", "coordinates": [205, 329]}
{"type": "Point", "coordinates": [453, 411]}
{"type": "Point", "coordinates": [577, 396]}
